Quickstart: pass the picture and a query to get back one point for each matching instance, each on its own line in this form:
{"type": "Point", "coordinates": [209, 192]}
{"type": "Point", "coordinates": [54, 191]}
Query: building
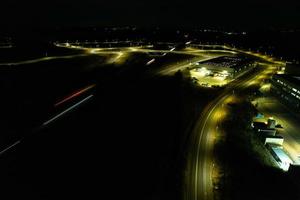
{"type": "Point", "coordinates": [287, 88]}
{"type": "Point", "coordinates": [281, 157]}
{"type": "Point", "coordinates": [273, 143]}
{"type": "Point", "coordinates": [263, 130]}
{"type": "Point", "coordinates": [228, 66]}
{"type": "Point", "coordinates": [278, 140]}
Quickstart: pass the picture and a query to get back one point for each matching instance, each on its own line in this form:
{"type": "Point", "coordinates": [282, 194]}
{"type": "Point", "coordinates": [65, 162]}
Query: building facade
{"type": "Point", "coordinates": [287, 88]}
{"type": "Point", "coordinates": [231, 66]}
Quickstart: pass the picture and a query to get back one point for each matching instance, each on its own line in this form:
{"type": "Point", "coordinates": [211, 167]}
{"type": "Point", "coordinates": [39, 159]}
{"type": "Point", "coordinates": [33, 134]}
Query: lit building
{"type": "Point", "coordinates": [282, 158]}
{"type": "Point", "coordinates": [226, 66]}
{"type": "Point", "coordinates": [287, 88]}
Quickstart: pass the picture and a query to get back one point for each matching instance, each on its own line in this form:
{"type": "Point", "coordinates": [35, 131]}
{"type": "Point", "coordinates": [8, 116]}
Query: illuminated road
{"type": "Point", "coordinates": [42, 60]}
{"type": "Point", "coordinates": [121, 53]}
{"type": "Point", "coordinates": [199, 168]}
{"type": "Point", "coordinates": [200, 158]}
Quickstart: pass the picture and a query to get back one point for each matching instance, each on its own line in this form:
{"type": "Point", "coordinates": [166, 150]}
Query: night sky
{"type": "Point", "coordinates": [165, 13]}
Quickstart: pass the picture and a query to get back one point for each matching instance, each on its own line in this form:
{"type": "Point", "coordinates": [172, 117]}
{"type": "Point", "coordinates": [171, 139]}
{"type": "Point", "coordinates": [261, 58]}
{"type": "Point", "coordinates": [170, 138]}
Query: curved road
{"type": "Point", "coordinates": [199, 168]}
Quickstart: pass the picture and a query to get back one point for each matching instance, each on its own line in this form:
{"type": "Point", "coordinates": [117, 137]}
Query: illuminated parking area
{"type": "Point", "coordinates": [219, 71]}
{"type": "Point", "coordinates": [208, 78]}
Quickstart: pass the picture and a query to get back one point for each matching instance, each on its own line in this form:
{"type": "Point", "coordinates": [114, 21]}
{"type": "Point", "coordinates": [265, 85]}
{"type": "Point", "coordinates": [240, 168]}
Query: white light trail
{"type": "Point", "coordinates": [67, 110]}
{"type": "Point", "coordinates": [150, 62]}
{"type": "Point", "coordinates": [11, 146]}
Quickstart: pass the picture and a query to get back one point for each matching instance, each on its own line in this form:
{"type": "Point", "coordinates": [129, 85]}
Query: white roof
{"type": "Point", "coordinates": [282, 155]}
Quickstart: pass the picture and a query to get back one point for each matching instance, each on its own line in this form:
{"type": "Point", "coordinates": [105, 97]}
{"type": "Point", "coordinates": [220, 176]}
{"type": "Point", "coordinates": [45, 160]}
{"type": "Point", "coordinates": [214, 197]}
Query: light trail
{"type": "Point", "coordinates": [67, 110]}
{"type": "Point", "coordinates": [11, 146]}
{"type": "Point", "coordinates": [150, 62]}
{"type": "Point", "coordinates": [75, 94]}
{"type": "Point", "coordinates": [48, 122]}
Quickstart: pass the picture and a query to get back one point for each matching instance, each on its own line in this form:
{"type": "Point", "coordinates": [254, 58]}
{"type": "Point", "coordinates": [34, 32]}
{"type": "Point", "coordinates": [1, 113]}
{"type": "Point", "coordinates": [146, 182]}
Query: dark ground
{"type": "Point", "coordinates": [127, 142]}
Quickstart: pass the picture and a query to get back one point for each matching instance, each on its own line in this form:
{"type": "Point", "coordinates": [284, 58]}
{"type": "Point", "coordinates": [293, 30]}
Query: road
{"type": "Point", "coordinates": [199, 168]}
{"type": "Point", "coordinates": [200, 159]}
{"type": "Point", "coordinates": [121, 53]}
{"type": "Point", "coordinates": [25, 62]}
